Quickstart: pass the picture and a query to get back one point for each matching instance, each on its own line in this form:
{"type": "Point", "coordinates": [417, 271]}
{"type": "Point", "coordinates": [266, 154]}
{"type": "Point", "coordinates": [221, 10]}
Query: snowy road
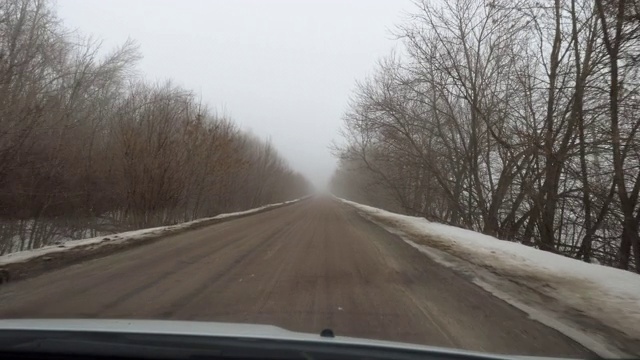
{"type": "Point", "coordinates": [305, 267]}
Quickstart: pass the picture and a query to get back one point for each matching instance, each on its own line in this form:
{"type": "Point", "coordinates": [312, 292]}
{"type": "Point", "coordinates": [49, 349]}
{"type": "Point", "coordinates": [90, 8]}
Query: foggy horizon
{"type": "Point", "coordinates": [168, 186]}
{"type": "Point", "coordinates": [283, 70]}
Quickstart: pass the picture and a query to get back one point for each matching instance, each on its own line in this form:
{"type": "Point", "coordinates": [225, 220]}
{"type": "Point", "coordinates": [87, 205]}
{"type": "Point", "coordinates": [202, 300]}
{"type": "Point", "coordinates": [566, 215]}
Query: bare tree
{"type": "Point", "coordinates": [495, 117]}
{"type": "Point", "coordinates": [87, 147]}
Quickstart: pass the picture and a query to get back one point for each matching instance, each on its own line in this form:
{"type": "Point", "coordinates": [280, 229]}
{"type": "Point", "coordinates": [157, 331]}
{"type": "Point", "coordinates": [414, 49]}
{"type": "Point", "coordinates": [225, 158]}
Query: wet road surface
{"type": "Point", "coordinates": [311, 265]}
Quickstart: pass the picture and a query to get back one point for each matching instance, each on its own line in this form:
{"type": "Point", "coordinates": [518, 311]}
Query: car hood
{"type": "Point", "coordinates": [224, 330]}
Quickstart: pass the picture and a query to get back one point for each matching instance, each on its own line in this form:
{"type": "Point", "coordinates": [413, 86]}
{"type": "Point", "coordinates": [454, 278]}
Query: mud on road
{"type": "Point", "coordinates": [307, 266]}
{"type": "Point", "coordinates": [112, 244]}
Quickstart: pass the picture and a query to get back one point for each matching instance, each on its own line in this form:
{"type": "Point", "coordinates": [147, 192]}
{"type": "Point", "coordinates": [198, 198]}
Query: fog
{"type": "Point", "coordinates": [283, 69]}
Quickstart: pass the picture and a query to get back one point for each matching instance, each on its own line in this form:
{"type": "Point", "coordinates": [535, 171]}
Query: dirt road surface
{"type": "Point", "coordinates": [312, 265]}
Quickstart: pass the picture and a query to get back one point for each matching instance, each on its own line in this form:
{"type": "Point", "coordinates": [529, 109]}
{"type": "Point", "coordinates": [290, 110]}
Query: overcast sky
{"type": "Point", "coordinates": [282, 69]}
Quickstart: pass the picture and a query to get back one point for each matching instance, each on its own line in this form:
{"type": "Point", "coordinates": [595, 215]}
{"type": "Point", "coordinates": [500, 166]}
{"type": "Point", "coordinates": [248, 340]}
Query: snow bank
{"type": "Point", "coordinates": [23, 256]}
{"type": "Point", "coordinates": [609, 295]}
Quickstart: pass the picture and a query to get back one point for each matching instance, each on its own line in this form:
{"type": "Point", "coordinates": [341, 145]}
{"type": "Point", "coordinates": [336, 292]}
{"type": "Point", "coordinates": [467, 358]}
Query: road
{"type": "Point", "coordinates": [304, 267]}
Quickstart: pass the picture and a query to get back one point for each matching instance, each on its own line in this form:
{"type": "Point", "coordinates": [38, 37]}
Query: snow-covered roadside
{"type": "Point", "coordinates": [563, 293]}
{"type": "Point", "coordinates": [23, 256]}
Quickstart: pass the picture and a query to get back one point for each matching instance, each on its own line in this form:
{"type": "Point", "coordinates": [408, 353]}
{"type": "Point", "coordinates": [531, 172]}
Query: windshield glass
{"type": "Point", "coordinates": [461, 174]}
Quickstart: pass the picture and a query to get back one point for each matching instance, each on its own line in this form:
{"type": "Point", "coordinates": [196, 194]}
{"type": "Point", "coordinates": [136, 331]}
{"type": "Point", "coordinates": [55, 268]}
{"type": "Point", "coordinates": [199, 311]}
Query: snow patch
{"type": "Point", "coordinates": [520, 275]}
{"type": "Point", "coordinates": [18, 257]}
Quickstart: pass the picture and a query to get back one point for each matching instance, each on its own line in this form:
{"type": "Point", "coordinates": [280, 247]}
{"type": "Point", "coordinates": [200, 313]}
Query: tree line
{"type": "Point", "coordinates": [518, 119]}
{"type": "Point", "coordinates": [87, 146]}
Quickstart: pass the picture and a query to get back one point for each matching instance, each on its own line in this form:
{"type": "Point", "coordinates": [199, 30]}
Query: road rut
{"type": "Point", "coordinates": [312, 265]}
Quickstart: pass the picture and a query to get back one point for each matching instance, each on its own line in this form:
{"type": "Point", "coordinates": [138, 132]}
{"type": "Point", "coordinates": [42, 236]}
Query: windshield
{"type": "Point", "coordinates": [461, 174]}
